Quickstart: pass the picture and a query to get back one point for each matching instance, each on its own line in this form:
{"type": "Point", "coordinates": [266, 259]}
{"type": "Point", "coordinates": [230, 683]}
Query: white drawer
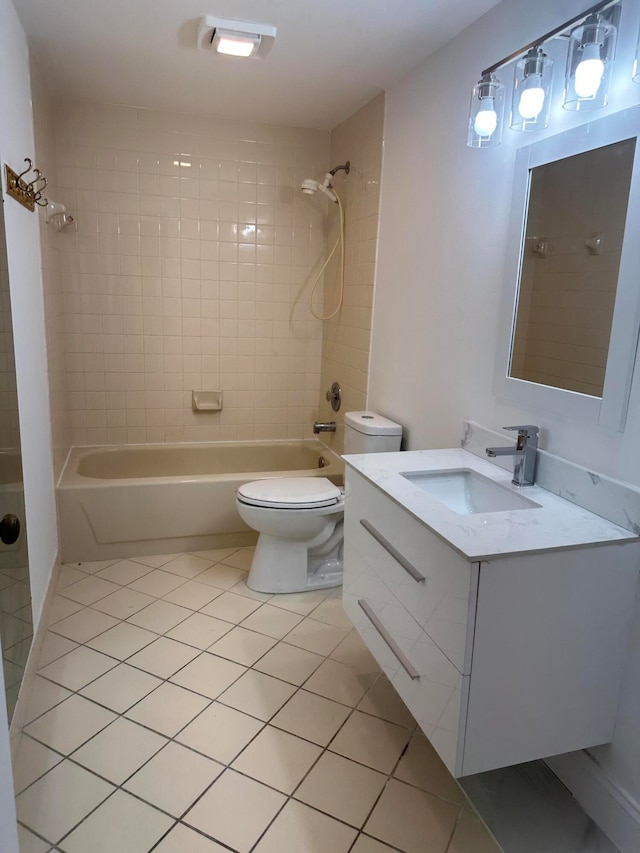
{"type": "Point", "coordinates": [430, 685]}
{"type": "Point", "coordinates": [434, 583]}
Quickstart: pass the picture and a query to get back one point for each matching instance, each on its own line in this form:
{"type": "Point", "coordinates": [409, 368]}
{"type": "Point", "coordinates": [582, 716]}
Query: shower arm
{"type": "Point", "coordinates": [346, 167]}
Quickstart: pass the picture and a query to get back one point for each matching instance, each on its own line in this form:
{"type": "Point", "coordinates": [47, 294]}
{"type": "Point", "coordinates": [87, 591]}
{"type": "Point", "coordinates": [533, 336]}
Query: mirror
{"type": "Point", "coordinates": [569, 273]}
{"type": "Point", "coordinates": [571, 308]}
{"type": "Point", "coordinates": [16, 625]}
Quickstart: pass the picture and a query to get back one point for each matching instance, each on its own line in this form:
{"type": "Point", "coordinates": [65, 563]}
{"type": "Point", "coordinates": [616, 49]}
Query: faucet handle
{"type": "Point", "coordinates": [525, 430]}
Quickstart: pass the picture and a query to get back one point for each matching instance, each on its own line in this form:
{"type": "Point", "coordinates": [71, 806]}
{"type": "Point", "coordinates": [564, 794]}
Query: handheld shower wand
{"type": "Point", "coordinates": [309, 186]}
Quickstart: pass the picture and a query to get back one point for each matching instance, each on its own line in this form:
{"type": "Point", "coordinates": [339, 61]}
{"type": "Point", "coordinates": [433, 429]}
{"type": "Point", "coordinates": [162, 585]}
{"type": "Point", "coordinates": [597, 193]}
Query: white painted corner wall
{"type": "Point", "coordinates": [444, 217]}
{"type": "Point", "coordinates": [25, 272]}
{"type": "Point", "coordinates": [442, 245]}
{"type": "Point", "coordinates": [27, 306]}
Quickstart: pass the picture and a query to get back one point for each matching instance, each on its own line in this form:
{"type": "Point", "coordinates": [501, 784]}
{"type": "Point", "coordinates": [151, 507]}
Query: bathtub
{"type": "Point", "coordinates": [118, 502]}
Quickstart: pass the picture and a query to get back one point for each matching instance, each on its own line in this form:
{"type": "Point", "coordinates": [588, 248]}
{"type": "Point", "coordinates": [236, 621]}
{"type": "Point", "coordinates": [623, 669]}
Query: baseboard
{"type": "Point", "coordinates": [617, 815]}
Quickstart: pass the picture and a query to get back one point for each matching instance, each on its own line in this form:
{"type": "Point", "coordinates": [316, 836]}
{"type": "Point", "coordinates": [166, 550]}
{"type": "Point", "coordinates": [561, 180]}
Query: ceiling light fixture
{"type": "Point", "coordinates": [592, 38]}
{"type": "Point", "coordinates": [235, 38]}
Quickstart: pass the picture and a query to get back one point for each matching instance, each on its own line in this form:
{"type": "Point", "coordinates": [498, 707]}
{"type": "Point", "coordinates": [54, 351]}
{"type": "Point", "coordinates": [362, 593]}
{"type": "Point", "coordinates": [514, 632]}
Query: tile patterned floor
{"type": "Point", "coordinates": [175, 710]}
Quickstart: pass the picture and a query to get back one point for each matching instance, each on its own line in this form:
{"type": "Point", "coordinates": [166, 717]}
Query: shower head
{"type": "Point", "coordinates": [309, 186]}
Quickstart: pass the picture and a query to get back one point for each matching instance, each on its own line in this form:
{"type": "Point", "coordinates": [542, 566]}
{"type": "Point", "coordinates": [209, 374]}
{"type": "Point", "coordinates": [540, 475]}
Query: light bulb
{"type": "Point", "coordinates": [531, 98]}
{"type": "Point", "coordinates": [531, 103]}
{"type": "Point", "coordinates": [589, 72]}
{"type": "Point", "coordinates": [486, 120]}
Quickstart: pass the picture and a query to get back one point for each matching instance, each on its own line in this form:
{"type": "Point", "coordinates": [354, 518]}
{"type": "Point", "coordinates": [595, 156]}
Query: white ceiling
{"type": "Point", "coordinates": [330, 56]}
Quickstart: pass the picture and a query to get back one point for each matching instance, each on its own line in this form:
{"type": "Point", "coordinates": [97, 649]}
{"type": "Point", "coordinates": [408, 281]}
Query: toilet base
{"type": "Point", "coordinates": [287, 566]}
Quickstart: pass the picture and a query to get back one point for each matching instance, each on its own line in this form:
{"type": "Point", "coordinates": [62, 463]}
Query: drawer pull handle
{"type": "Point", "coordinates": [397, 556]}
{"type": "Point", "coordinates": [408, 667]}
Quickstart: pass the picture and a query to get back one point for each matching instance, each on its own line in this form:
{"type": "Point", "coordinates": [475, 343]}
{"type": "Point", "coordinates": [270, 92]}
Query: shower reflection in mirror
{"type": "Point", "coordinates": [569, 347]}
{"type": "Point", "coordinates": [16, 626]}
{"type": "Point", "coordinates": [570, 262]}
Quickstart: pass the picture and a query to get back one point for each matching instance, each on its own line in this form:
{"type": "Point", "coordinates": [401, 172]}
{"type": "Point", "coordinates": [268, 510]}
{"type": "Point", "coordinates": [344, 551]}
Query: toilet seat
{"type": "Point", "coordinates": [290, 493]}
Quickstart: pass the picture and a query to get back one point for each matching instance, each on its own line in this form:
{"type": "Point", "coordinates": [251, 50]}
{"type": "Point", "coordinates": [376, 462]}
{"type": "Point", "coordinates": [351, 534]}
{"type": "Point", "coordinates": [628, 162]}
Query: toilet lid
{"type": "Point", "coordinates": [290, 492]}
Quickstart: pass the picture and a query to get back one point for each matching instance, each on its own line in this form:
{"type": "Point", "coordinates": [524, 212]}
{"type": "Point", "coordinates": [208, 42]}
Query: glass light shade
{"type": "Point", "coordinates": [531, 99]}
{"type": "Point", "coordinates": [486, 113]}
{"type": "Point", "coordinates": [636, 63]}
{"type": "Point", "coordinates": [589, 63]}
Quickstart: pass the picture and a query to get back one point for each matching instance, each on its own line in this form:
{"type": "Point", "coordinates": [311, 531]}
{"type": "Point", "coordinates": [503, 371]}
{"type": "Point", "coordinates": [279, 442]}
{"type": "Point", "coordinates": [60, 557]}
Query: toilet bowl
{"type": "Point", "coordinates": [300, 519]}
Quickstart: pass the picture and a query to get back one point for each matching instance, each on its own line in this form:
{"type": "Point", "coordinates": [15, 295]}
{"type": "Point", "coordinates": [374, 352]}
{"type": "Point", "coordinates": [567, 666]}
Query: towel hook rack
{"type": "Point", "coordinates": [26, 192]}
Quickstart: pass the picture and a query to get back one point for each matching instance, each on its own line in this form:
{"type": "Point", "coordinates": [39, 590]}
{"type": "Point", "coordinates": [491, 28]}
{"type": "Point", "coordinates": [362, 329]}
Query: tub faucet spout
{"type": "Point", "coordinates": [524, 454]}
{"type": "Point", "coordinates": [328, 427]}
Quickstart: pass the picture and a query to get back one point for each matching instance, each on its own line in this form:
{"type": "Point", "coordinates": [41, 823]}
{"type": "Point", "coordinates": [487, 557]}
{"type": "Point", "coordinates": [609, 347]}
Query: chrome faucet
{"type": "Point", "coordinates": [319, 427]}
{"type": "Point", "coordinates": [524, 453]}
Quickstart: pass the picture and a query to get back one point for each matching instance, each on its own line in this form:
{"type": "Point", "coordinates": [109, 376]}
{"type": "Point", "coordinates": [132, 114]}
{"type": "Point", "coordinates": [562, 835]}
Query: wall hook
{"type": "Point", "coordinates": [37, 174]}
{"type": "Point", "coordinates": [39, 179]}
{"type": "Point", "coordinates": [27, 170]}
{"type": "Point", "coordinates": [24, 191]}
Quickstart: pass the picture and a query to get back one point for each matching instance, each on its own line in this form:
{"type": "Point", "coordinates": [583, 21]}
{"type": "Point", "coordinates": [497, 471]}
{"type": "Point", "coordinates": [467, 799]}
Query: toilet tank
{"type": "Point", "coordinates": [367, 432]}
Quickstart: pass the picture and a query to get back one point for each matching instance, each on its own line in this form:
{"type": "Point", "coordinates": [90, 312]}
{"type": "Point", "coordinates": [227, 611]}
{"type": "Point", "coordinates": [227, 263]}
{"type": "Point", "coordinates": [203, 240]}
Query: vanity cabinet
{"type": "Point", "coordinates": [503, 660]}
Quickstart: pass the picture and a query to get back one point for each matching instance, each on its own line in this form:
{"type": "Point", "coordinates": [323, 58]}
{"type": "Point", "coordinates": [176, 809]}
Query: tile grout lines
{"type": "Point", "coordinates": [265, 724]}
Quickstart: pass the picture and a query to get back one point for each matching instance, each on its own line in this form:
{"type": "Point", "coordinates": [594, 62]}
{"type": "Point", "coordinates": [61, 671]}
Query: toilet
{"type": "Point", "coordinates": [300, 519]}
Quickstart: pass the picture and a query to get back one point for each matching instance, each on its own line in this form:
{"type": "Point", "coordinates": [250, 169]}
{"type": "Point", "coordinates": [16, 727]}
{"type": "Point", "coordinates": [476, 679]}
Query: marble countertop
{"type": "Point", "coordinates": [556, 524]}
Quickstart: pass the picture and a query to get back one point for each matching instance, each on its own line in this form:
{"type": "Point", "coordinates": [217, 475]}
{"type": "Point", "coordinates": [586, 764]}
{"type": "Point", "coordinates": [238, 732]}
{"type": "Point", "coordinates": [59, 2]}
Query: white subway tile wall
{"type": "Point", "coordinates": [186, 270]}
{"type": "Point", "coordinates": [45, 156]}
{"type": "Point", "coordinates": [346, 338]}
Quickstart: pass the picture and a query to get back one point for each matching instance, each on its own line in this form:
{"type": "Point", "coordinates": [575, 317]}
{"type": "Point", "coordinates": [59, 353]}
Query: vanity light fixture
{"type": "Point", "coordinates": [592, 40]}
{"type": "Point", "coordinates": [235, 38]}
{"type": "Point", "coordinates": [635, 74]}
{"type": "Point", "coordinates": [486, 115]}
{"type": "Point", "coordinates": [531, 99]}
{"type": "Point", "coordinates": [589, 62]}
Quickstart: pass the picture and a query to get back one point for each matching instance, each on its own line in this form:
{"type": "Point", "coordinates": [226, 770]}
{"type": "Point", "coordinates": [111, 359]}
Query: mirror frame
{"type": "Point", "coordinates": [609, 411]}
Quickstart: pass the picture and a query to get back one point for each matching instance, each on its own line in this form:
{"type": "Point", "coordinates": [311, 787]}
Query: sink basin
{"type": "Point", "coordinates": [467, 492]}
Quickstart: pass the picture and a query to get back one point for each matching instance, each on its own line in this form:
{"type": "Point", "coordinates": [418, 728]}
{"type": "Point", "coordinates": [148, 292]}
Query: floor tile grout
{"type": "Point", "coordinates": [298, 687]}
{"type": "Point", "coordinates": [228, 767]}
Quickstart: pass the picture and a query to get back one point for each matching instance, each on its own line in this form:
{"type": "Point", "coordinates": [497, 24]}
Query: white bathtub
{"type": "Point", "coordinates": [157, 499]}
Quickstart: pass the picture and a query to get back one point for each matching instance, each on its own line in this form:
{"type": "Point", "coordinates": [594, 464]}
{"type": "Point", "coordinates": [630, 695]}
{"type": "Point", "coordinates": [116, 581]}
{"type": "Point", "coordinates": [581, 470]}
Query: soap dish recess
{"type": "Point", "coordinates": [206, 401]}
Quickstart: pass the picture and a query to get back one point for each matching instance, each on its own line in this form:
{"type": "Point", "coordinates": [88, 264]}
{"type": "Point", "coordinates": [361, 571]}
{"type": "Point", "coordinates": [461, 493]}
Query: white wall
{"type": "Point", "coordinates": [444, 221]}
{"type": "Point", "coordinates": [22, 237]}
{"type": "Point", "coordinates": [23, 250]}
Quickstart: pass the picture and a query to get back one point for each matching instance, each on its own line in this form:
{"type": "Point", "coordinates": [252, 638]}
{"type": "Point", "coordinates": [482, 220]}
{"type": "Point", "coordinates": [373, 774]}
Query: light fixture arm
{"type": "Point", "coordinates": [599, 7]}
{"type": "Point", "coordinates": [487, 85]}
{"type": "Point", "coordinates": [534, 61]}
